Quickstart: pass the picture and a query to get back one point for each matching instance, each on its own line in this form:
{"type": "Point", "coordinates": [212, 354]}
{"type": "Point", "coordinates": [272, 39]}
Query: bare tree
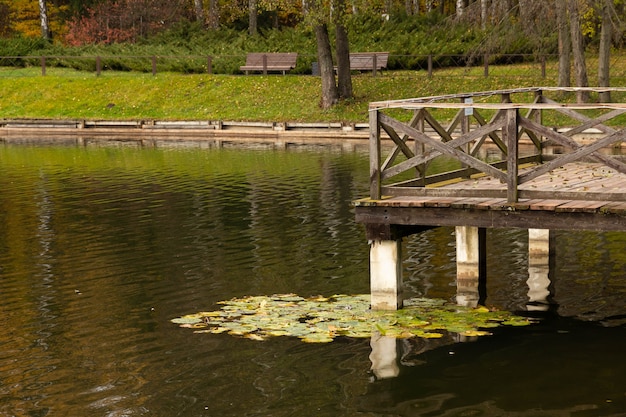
{"type": "Point", "coordinates": [320, 16]}
{"type": "Point", "coordinates": [344, 78]}
{"type": "Point", "coordinates": [342, 50]}
{"type": "Point", "coordinates": [330, 95]}
{"type": "Point", "coordinates": [214, 14]}
{"type": "Point", "coordinates": [412, 7]}
{"type": "Point", "coordinates": [45, 25]}
{"type": "Point", "coordinates": [199, 10]}
{"type": "Point", "coordinates": [604, 52]}
{"type": "Point", "coordinates": [578, 50]}
{"type": "Point", "coordinates": [484, 9]}
{"type": "Point", "coordinates": [460, 8]}
{"type": "Point", "coordinates": [565, 43]}
{"type": "Point", "coordinates": [501, 8]}
{"type": "Point", "coordinates": [253, 14]}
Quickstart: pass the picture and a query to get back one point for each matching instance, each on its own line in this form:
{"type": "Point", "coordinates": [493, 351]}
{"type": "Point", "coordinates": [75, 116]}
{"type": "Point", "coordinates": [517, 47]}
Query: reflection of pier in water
{"type": "Point", "coordinates": [388, 352]}
{"type": "Point", "coordinates": [569, 180]}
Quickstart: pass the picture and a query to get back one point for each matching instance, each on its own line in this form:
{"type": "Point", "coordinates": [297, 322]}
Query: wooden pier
{"type": "Point", "coordinates": [529, 158]}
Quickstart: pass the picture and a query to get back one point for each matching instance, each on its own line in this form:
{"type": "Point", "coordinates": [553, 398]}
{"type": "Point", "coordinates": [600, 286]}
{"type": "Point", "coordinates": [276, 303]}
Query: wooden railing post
{"type": "Point", "coordinates": [420, 148]}
{"type": "Point", "coordinates": [465, 126]}
{"type": "Point", "coordinates": [486, 65]}
{"type": "Point", "coordinates": [209, 64]}
{"type": "Point", "coordinates": [43, 65]}
{"type": "Point", "coordinates": [374, 155]}
{"type": "Point", "coordinates": [539, 120]}
{"type": "Point", "coordinates": [430, 66]}
{"type": "Point", "coordinates": [509, 131]}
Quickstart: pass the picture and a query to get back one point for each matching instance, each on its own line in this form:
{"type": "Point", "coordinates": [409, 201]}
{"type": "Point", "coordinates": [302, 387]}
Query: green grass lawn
{"type": "Point", "coordinates": [69, 94]}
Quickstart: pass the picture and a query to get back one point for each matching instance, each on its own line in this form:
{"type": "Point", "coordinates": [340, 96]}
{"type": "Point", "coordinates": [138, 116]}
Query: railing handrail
{"type": "Point", "coordinates": [435, 101]}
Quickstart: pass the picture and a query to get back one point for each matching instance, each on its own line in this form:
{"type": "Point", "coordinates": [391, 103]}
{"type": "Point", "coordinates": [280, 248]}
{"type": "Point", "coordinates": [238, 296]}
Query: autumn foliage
{"type": "Point", "coordinates": [21, 17]}
{"type": "Point", "coordinates": [123, 21]}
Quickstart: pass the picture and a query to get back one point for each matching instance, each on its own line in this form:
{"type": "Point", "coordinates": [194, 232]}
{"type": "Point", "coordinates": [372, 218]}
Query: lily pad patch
{"type": "Point", "coordinates": [322, 319]}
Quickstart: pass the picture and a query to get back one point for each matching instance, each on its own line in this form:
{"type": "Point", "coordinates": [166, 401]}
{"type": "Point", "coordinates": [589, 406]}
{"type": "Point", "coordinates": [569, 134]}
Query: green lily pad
{"type": "Point", "coordinates": [321, 319]}
{"type": "Point", "coordinates": [187, 320]}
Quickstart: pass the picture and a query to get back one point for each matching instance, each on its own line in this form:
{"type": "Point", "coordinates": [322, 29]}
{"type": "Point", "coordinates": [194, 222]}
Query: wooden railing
{"type": "Point", "coordinates": [491, 120]}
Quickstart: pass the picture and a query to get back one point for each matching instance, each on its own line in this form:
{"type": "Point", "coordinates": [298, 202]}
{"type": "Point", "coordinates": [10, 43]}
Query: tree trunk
{"type": "Point", "coordinates": [342, 49]}
{"type": "Point", "coordinates": [604, 52]}
{"type": "Point", "coordinates": [253, 16]}
{"type": "Point", "coordinates": [460, 6]}
{"type": "Point", "coordinates": [412, 7]}
{"type": "Point", "coordinates": [344, 77]}
{"type": "Point", "coordinates": [525, 10]}
{"type": "Point", "coordinates": [45, 25]}
{"type": "Point", "coordinates": [199, 10]}
{"type": "Point", "coordinates": [214, 15]}
{"type": "Point", "coordinates": [578, 50]}
{"type": "Point", "coordinates": [501, 8]}
{"type": "Point", "coordinates": [565, 43]}
{"type": "Point", "coordinates": [509, 7]}
{"type": "Point", "coordinates": [327, 72]}
{"type": "Point", "coordinates": [484, 8]}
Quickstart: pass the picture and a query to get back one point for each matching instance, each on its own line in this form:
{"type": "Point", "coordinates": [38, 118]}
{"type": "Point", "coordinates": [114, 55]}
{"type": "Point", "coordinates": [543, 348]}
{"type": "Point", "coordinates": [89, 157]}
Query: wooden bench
{"type": "Point", "coordinates": [276, 61]}
{"type": "Point", "coordinates": [368, 61]}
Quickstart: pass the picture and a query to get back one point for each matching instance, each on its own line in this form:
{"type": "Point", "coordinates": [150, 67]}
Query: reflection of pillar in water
{"type": "Point", "coordinates": [384, 356]}
{"type": "Point", "coordinates": [538, 269]}
{"type": "Point", "coordinates": [386, 274]}
{"type": "Point", "coordinates": [470, 265]}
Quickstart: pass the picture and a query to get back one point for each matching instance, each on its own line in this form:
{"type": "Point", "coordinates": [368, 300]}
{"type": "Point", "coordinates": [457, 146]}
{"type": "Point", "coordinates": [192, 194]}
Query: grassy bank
{"type": "Point", "coordinates": [67, 94]}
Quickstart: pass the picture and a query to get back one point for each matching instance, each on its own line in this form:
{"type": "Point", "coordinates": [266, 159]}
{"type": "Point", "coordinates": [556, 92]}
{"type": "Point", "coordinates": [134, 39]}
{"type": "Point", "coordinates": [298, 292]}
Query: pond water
{"type": "Point", "coordinates": [102, 246]}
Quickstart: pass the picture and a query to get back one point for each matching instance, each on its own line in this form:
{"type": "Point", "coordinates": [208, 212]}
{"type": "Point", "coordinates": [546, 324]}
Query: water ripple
{"type": "Point", "coordinates": [100, 248]}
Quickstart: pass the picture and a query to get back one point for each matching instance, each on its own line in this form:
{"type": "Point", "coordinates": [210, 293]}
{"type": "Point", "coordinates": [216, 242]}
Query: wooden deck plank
{"type": "Point", "coordinates": [405, 201]}
{"type": "Point", "coordinates": [595, 201]}
{"type": "Point", "coordinates": [581, 206]}
{"type": "Point", "coordinates": [441, 202]}
{"type": "Point", "coordinates": [465, 203]}
{"type": "Point", "coordinates": [547, 205]}
{"type": "Point", "coordinates": [490, 204]}
{"type": "Point", "coordinates": [522, 204]}
{"type": "Point", "coordinates": [617, 207]}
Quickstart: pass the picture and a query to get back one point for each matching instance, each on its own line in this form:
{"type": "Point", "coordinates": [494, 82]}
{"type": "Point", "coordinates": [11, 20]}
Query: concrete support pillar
{"type": "Point", "coordinates": [470, 265]}
{"type": "Point", "coordinates": [386, 274]}
{"type": "Point", "coordinates": [538, 269]}
{"type": "Point", "coordinates": [384, 356]}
